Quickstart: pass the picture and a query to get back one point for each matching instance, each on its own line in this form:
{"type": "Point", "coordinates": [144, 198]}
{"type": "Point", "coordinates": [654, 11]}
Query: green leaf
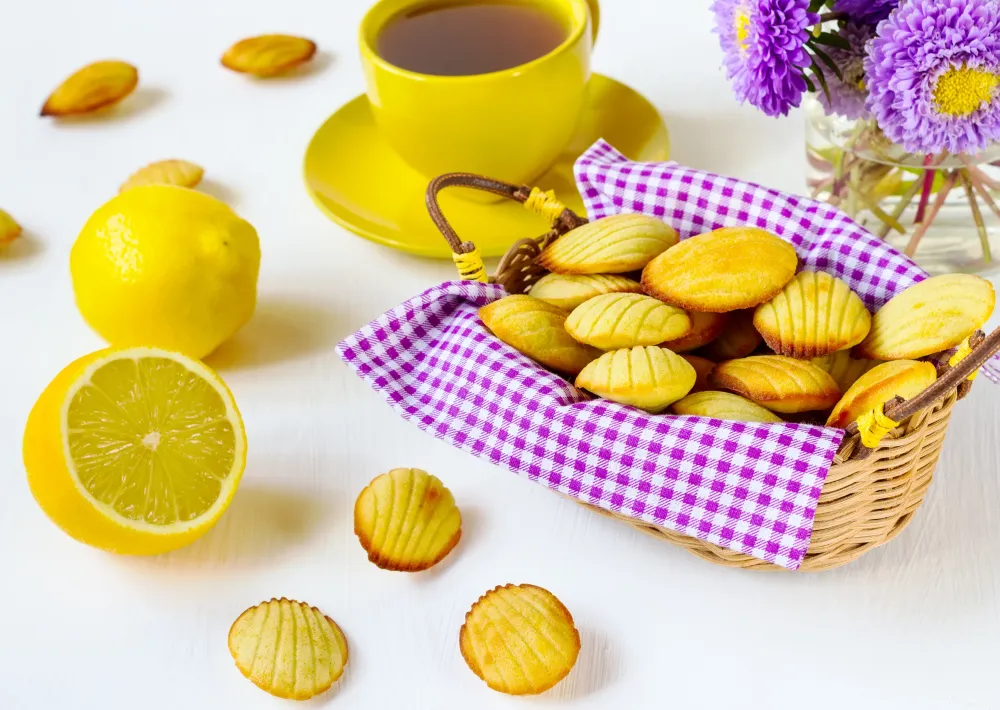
{"type": "Point", "coordinates": [831, 39]}
{"type": "Point", "coordinates": [816, 5]}
{"type": "Point", "coordinates": [818, 73]}
{"type": "Point", "coordinates": [825, 58]}
{"type": "Point", "coordinates": [809, 84]}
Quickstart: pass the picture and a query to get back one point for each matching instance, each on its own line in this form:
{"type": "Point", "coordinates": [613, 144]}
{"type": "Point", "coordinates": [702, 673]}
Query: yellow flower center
{"type": "Point", "coordinates": [961, 91]}
{"type": "Point", "coordinates": [742, 22]}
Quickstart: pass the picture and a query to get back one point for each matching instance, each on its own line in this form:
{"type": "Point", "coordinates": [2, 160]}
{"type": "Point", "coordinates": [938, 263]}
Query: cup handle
{"type": "Point", "coordinates": [595, 17]}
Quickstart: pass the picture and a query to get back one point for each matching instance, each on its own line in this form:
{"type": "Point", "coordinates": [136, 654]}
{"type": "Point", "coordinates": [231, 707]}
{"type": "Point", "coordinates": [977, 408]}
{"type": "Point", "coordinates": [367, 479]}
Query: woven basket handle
{"type": "Point", "coordinates": [563, 222]}
{"type": "Point", "coordinates": [983, 348]}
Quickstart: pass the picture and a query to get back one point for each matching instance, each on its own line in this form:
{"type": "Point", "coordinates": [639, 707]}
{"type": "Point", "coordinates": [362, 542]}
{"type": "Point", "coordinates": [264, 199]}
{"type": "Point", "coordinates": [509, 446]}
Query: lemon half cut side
{"type": "Point", "coordinates": [135, 450]}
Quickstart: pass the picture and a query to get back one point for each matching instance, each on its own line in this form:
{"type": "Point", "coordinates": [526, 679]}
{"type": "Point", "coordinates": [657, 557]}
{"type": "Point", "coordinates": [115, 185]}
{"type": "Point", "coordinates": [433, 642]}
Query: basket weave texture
{"type": "Point", "coordinates": [869, 495]}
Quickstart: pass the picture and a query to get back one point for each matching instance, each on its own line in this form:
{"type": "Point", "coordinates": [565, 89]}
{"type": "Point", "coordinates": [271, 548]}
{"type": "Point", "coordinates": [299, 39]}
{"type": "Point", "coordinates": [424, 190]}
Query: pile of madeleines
{"type": "Point", "coordinates": [724, 325]}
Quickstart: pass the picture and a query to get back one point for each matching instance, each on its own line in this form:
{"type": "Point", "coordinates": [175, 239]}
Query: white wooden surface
{"type": "Point", "coordinates": [915, 624]}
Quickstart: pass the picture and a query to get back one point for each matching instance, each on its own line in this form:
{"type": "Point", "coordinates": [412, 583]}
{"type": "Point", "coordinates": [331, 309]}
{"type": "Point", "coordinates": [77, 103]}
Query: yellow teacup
{"type": "Point", "coordinates": [509, 124]}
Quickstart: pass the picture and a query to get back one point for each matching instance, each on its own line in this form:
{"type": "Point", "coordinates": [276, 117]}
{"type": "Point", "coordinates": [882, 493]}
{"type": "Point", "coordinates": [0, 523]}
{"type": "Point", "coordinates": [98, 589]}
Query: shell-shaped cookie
{"type": "Point", "coordinates": [929, 317]}
{"type": "Point", "coordinates": [738, 339]}
{"type": "Point", "coordinates": [288, 648]}
{"type": "Point", "coordinates": [705, 327]}
{"type": "Point", "coordinates": [649, 378]}
{"type": "Point", "coordinates": [165, 172]}
{"type": "Point", "coordinates": [9, 229]}
{"type": "Point", "coordinates": [844, 368]}
{"type": "Point", "coordinates": [537, 330]}
{"type": "Point", "coordinates": [613, 245]}
{"type": "Point", "coordinates": [781, 384]}
{"type": "Point", "coordinates": [567, 291]}
{"type": "Point", "coordinates": [407, 520]}
{"type": "Point", "coordinates": [726, 270]}
{"type": "Point", "coordinates": [814, 315]}
{"type": "Point", "coordinates": [520, 639]}
{"type": "Point", "coordinates": [624, 320]}
{"type": "Point", "coordinates": [902, 378]}
{"type": "Point", "coordinates": [724, 405]}
{"type": "Point", "coordinates": [94, 87]}
{"type": "Point", "coordinates": [703, 371]}
{"type": "Point", "coordinates": [268, 55]}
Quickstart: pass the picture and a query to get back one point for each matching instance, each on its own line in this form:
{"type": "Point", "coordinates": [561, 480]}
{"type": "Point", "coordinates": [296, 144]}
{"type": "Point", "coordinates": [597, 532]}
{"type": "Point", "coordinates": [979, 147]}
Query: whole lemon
{"type": "Point", "coordinates": [166, 266]}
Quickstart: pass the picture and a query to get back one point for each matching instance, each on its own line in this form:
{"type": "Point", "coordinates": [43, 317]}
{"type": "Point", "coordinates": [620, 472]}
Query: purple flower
{"type": "Point", "coordinates": [933, 75]}
{"type": "Point", "coordinates": [764, 46]}
{"type": "Point", "coordinates": [847, 95]}
{"type": "Point", "coordinates": [866, 12]}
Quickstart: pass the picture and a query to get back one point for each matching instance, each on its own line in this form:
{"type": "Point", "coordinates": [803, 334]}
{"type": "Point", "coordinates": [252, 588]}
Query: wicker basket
{"type": "Point", "coordinates": [869, 495]}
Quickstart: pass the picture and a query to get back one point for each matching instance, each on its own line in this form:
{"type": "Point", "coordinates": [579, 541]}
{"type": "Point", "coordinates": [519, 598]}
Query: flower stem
{"type": "Point", "coordinates": [931, 214]}
{"type": "Point", "coordinates": [925, 196]}
{"type": "Point", "coordinates": [904, 202]}
{"type": "Point", "coordinates": [977, 216]}
{"type": "Point", "coordinates": [983, 177]}
{"type": "Point", "coordinates": [832, 17]}
{"type": "Point", "coordinates": [984, 193]}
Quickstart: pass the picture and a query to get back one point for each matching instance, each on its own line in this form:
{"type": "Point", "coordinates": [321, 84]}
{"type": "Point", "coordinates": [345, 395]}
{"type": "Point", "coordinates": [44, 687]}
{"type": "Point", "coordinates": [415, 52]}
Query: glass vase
{"type": "Point", "coordinates": [941, 210]}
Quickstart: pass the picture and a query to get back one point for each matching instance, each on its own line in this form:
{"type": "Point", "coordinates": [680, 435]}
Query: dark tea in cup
{"type": "Point", "coordinates": [460, 39]}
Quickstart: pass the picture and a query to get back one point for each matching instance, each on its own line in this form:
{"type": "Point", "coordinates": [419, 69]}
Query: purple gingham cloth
{"type": "Point", "coordinates": [752, 488]}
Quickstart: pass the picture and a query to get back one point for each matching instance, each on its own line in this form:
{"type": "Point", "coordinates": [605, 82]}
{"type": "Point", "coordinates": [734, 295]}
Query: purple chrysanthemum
{"type": "Point", "coordinates": [847, 95]}
{"type": "Point", "coordinates": [866, 12]}
{"type": "Point", "coordinates": [764, 45]}
{"type": "Point", "coordinates": [933, 75]}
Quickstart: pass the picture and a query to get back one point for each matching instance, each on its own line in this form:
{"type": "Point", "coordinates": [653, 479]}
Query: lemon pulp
{"type": "Point", "coordinates": [150, 440]}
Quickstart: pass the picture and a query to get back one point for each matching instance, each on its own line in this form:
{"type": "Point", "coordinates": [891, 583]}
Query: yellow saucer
{"type": "Point", "coordinates": [360, 183]}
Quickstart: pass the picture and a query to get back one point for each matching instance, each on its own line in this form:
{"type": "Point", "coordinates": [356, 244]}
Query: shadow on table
{"type": "Point", "coordinates": [262, 523]}
{"type": "Point", "coordinates": [143, 99]}
{"type": "Point", "coordinates": [598, 666]}
{"type": "Point", "coordinates": [282, 329]}
{"type": "Point", "coordinates": [23, 249]}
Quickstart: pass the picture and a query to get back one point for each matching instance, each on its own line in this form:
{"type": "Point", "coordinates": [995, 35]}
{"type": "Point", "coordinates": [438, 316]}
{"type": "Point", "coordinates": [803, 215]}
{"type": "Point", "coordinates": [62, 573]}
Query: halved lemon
{"type": "Point", "coordinates": [135, 450]}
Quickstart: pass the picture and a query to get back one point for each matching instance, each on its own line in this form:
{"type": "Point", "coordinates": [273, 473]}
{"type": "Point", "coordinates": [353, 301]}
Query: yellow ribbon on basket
{"type": "Point", "coordinates": [544, 204]}
{"type": "Point", "coordinates": [964, 350]}
{"type": "Point", "coordinates": [873, 426]}
{"type": "Point", "coordinates": [470, 266]}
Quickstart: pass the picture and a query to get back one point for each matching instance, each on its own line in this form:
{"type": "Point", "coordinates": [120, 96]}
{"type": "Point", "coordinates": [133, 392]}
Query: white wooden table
{"type": "Point", "coordinates": [915, 624]}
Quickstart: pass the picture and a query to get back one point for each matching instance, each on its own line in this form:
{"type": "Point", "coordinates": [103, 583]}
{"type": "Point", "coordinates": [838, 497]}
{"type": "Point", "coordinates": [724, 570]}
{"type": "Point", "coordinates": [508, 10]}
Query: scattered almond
{"type": "Point", "coordinates": [268, 55]}
{"type": "Point", "coordinates": [165, 172]}
{"type": "Point", "coordinates": [9, 229]}
{"type": "Point", "coordinates": [94, 87]}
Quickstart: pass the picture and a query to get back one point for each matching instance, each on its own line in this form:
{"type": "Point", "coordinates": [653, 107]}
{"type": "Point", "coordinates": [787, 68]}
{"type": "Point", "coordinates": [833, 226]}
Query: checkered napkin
{"type": "Point", "coordinates": [748, 487]}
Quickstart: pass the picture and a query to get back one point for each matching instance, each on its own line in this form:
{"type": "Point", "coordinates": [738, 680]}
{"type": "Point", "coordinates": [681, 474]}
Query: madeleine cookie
{"type": "Point", "coordinates": [520, 639]}
{"type": "Point", "coordinates": [567, 291]}
{"type": "Point", "coordinates": [288, 649]}
{"type": "Point", "coordinates": [624, 320]}
{"type": "Point", "coordinates": [902, 378]}
{"type": "Point", "coordinates": [814, 315]}
{"type": "Point", "coordinates": [738, 339]}
{"type": "Point", "coordinates": [844, 368]}
{"type": "Point", "coordinates": [702, 369]}
{"type": "Point", "coordinates": [613, 245]}
{"type": "Point", "coordinates": [929, 317]}
{"type": "Point", "coordinates": [537, 330]}
{"type": "Point", "coordinates": [726, 270]}
{"type": "Point", "coordinates": [407, 520]}
{"type": "Point", "coordinates": [705, 327]}
{"type": "Point", "coordinates": [724, 405]}
{"type": "Point", "coordinates": [649, 378]}
{"type": "Point", "coordinates": [781, 384]}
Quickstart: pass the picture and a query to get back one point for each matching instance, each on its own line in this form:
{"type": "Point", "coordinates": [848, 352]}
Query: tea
{"type": "Point", "coordinates": [450, 39]}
